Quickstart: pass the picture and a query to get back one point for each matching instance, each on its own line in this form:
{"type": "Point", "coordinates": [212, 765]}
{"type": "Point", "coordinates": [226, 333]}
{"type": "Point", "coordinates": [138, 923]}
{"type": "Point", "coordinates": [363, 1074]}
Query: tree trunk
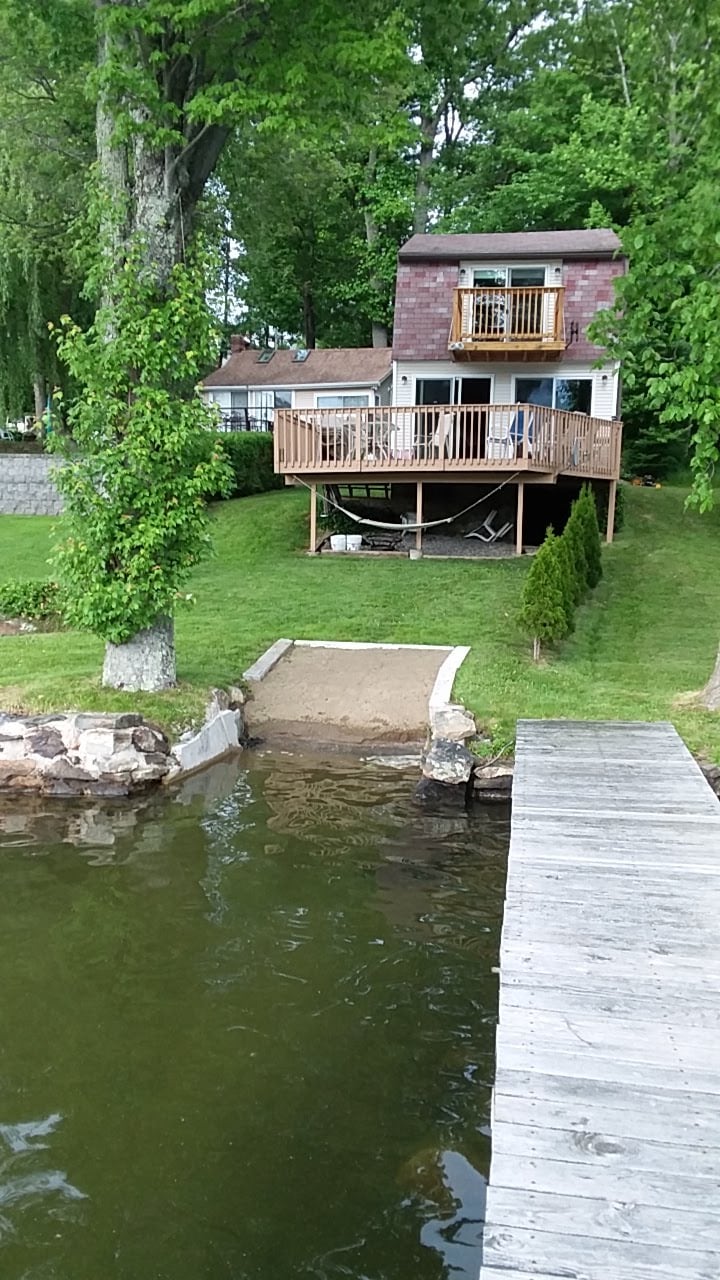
{"type": "Point", "coordinates": [428, 130]}
{"type": "Point", "coordinates": [308, 316]}
{"type": "Point", "coordinates": [146, 662]}
{"type": "Point", "coordinates": [379, 329]}
{"type": "Point", "coordinates": [39, 396]}
{"type": "Point", "coordinates": [710, 696]}
{"type": "Point", "coordinates": [536, 648]}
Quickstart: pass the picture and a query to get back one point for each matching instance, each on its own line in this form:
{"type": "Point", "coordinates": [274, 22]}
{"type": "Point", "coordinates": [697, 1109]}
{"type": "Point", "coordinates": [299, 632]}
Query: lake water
{"type": "Point", "coordinates": [247, 1031]}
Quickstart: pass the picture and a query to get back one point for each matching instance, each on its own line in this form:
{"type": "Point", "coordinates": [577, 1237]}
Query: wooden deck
{"type": "Point", "coordinates": [446, 441]}
{"type": "Point", "coordinates": [606, 1111]}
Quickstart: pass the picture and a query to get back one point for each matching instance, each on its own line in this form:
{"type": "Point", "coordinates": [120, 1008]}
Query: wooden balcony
{"type": "Point", "coordinates": [507, 324]}
{"type": "Point", "coordinates": [451, 441]}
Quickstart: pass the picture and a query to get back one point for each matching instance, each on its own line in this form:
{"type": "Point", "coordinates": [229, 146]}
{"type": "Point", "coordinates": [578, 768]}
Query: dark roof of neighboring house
{"type": "Point", "coordinates": [600, 243]}
{"type": "Point", "coordinates": [337, 366]}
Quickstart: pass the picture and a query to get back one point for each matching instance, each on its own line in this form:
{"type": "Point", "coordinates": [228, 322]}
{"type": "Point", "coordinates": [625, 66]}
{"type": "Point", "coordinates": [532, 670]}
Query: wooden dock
{"type": "Point", "coordinates": [606, 1109]}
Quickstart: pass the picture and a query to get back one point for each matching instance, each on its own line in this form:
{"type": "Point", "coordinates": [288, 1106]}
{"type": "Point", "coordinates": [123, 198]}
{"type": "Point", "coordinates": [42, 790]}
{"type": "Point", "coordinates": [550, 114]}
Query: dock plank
{"type": "Point", "coordinates": [606, 1107]}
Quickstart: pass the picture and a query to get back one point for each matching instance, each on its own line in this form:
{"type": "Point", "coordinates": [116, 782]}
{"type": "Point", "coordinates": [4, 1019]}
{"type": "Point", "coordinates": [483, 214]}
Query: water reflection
{"type": "Point", "coordinates": [264, 1006]}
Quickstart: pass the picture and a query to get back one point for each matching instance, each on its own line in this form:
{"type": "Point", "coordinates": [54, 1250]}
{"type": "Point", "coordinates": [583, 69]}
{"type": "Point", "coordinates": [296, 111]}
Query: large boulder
{"type": "Point", "coordinates": [447, 772]}
{"type": "Point", "coordinates": [448, 761]}
{"type": "Point", "coordinates": [451, 722]}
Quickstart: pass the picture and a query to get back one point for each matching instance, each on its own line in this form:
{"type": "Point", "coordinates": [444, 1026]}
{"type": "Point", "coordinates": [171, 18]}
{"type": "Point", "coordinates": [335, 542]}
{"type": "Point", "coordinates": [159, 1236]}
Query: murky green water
{"type": "Point", "coordinates": [247, 1032]}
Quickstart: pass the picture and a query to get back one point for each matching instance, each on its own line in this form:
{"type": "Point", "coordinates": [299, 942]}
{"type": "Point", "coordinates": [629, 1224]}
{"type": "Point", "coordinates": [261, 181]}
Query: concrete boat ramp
{"type": "Point", "coordinates": [606, 1110]}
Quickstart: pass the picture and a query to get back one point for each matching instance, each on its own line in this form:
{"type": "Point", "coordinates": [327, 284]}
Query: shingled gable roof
{"type": "Point", "coordinates": [339, 366]}
{"type": "Point", "coordinates": [599, 243]}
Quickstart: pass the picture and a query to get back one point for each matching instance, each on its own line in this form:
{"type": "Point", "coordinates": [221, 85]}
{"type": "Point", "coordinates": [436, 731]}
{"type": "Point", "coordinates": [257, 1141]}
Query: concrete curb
{"type": "Point", "coordinates": [441, 695]}
{"type": "Point", "coordinates": [217, 738]}
{"type": "Point", "coordinates": [267, 660]}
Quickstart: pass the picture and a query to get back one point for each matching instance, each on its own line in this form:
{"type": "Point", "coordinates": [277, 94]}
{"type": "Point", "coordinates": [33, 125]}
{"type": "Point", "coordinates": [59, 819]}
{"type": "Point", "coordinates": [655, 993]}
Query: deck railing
{"type": "Point", "coordinates": [528, 317]}
{"type": "Point", "coordinates": [446, 438]}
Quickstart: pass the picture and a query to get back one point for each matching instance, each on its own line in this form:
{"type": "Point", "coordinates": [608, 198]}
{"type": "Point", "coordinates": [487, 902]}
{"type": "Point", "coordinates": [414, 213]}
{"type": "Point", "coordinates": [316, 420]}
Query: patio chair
{"type": "Point", "coordinates": [486, 531]}
{"type": "Point", "coordinates": [444, 435]}
{"type": "Point", "coordinates": [522, 431]}
{"type": "Point", "coordinates": [499, 442]}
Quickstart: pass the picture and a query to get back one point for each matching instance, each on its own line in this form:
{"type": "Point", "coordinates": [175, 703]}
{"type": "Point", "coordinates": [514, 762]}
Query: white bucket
{"type": "Point", "coordinates": [354, 541]}
{"type": "Point", "coordinates": [338, 542]}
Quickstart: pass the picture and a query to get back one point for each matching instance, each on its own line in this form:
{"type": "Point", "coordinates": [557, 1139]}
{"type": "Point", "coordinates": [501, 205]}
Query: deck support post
{"type": "Point", "coordinates": [419, 514]}
{"type": "Point", "coordinates": [520, 516]}
{"type": "Point", "coordinates": [313, 519]}
{"type": "Point", "coordinates": [611, 511]}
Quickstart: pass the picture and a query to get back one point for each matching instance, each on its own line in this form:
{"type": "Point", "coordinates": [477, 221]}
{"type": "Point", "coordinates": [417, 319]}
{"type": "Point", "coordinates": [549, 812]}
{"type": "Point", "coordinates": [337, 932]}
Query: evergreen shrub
{"type": "Point", "coordinates": [545, 607]}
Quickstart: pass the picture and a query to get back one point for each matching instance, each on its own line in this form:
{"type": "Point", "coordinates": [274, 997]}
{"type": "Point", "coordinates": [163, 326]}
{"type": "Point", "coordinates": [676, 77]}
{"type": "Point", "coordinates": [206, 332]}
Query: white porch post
{"type": "Point", "coordinates": [419, 514]}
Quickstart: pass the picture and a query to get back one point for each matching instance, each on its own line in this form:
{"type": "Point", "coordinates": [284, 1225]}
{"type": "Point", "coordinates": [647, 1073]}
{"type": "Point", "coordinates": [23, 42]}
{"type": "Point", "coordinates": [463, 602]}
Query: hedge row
{"type": "Point", "coordinates": [250, 454]}
{"type": "Point", "coordinates": [564, 569]}
{"type": "Point", "coordinates": [30, 598]}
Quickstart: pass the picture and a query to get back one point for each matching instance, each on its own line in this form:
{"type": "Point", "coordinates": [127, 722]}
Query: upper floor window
{"type": "Point", "coordinates": [508, 277]}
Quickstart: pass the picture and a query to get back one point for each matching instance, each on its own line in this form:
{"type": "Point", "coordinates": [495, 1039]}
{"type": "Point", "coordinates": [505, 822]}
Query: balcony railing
{"type": "Point", "coordinates": [523, 319]}
{"type": "Point", "coordinates": [445, 438]}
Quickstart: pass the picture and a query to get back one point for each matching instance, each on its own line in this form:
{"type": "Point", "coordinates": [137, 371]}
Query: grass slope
{"type": "Point", "coordinates": [649, 633]}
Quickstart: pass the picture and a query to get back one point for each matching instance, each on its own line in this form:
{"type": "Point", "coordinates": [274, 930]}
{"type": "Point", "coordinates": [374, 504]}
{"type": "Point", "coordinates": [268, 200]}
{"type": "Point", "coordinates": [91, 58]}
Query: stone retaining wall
{"type": "Point", "coordinates": [26, 488]}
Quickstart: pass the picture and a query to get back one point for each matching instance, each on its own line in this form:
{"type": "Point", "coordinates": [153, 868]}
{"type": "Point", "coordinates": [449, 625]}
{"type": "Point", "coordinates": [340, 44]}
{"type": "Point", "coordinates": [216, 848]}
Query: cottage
{"type": "Point", "coordinates": [251, 385]}
{"type": "Point", "coordinates": [495, 377]}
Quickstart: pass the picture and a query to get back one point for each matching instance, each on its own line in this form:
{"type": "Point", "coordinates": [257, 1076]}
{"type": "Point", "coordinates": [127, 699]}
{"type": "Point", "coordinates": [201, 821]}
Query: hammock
{"type": "Point", "coordinates": [407, 526]}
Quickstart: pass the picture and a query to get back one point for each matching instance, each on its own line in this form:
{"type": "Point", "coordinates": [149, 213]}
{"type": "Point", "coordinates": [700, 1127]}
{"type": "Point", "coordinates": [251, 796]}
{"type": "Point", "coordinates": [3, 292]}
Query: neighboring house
{"type": "Point", "coordinates": [252, 384]}
{"type": "Point", "coordinates": [495, 377]}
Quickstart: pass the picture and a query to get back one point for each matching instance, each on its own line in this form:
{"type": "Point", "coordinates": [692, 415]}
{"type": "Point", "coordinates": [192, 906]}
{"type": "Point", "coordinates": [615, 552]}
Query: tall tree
{"type": "Point", "coordinates": [174, 78]}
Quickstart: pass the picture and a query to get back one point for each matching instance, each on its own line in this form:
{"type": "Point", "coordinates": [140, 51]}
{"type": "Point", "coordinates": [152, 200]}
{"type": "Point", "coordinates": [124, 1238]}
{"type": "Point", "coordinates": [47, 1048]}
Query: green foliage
{"type": "Point", "coordinates": [561, 573]}
{"type": "Point", "coordinates": [545, 609]}
{"type": "Point", "coordinates": [30, 598]}
{"type": "Point", "coordinates": [573, 539]}
{"type": "Point", "coordinates": [587, 518]}
{"type": "Point", "coordinates": [136, 484]}
{"type": "Point", "coordinates": [250, 455]}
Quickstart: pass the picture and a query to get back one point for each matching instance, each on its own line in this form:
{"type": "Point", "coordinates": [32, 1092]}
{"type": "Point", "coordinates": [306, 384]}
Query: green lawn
{"type": "Point", "coordinates": [649, 634]}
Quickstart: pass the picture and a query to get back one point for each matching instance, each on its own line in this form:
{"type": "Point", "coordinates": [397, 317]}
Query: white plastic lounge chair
{"type": "Point", "coordinates": [486, 531]}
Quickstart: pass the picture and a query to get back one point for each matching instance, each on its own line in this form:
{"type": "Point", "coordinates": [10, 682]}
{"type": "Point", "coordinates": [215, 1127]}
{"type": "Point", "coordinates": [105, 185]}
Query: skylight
{"type": "Point", "coordinates": [265, 357]}
{"type": "Point", "coordinates": [300, 355]}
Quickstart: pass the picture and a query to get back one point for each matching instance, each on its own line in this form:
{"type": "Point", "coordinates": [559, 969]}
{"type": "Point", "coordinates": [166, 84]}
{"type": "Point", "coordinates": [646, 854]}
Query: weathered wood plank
{"type": "Point", "coordinates": [573, 1092]}
{"type": "Point", "coordinates": [519, 1053]}
{"type": "Point", "coordinates": [620, 1183]}
{"type": "Point", "coordinates": [604, 1219]}
{"type": "Point", "coordinates": [539, 1253]}
{"type": "Point", "coordinates": [670, 1009]}
{"type": "Point", "coordinates": [606, 1108]}
{"type": "Point", "coordinates": [604, 1144]}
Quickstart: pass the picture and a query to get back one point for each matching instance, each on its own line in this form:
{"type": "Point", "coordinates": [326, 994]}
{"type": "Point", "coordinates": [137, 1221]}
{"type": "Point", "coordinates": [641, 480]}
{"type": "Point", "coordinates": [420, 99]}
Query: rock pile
{"type": "Point", "coordinates": [82, 754]}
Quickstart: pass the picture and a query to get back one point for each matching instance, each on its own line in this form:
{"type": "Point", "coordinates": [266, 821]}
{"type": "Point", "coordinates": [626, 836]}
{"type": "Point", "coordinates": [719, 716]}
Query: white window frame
{"type": "Point", "coordinates": [337, 395]}
{"type": "Point", "coordinates": [565, 377]}
{"type": "Point", "coordinates": [453, 379]}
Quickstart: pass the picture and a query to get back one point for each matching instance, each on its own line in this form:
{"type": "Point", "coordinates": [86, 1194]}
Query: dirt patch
{"type": "Point", "coordinates": [360, 696]}
{"type": "Point", "coordinates": [16, 627]}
